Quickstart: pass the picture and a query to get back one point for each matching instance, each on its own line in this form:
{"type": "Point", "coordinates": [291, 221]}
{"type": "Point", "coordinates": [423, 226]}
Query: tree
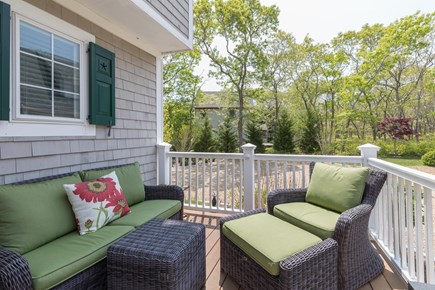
{"type": "Point", "coordinates": [283, 135]}
{"type": "Point", "coordinates": [206, 141]}
{"type": "Point", "coordinates": [275, 76]}
{"type": "Point", "coordinates": [227, 137]}
{"type": "Point", "coordinates": [310, 134]}
{"type": "Point", "coordinates": [254, 135]}
{"type": "Point", "coordinates": [396, 129]}
{"type": "Point", "coordinates": [181, 89]}
{"type": "Point", "coordinates": [244, 27]}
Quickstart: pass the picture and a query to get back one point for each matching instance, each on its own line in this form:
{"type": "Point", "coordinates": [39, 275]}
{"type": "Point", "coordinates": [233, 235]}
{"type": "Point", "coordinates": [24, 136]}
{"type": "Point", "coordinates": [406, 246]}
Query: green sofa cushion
{"type": "Point", "coordinates": [64, 257]}
{"type": "Point", "coordinates": [147, 210]}
{"type": "Point", "coordinates": [336, 188]}
{"type": "Point", "coordinates": [267, 239]}
{"type": "Point", "coordinates": [129, 177]}
{"type": "Point", "coordinates": [312, 218]}
{"type": "Point", "coordinates": [34, 214]}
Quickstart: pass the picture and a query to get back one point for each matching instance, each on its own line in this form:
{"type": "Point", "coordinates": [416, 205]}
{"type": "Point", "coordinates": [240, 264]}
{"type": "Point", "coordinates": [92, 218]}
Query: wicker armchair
{"type": "Point", "coordinates": [358, 262]}
{"type": "Point", "coordinates": [14, 269]}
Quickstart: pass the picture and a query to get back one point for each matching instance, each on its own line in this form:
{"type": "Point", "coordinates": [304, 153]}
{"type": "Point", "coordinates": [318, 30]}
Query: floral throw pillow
{"type": "Point", "coordinates": [96, 203]}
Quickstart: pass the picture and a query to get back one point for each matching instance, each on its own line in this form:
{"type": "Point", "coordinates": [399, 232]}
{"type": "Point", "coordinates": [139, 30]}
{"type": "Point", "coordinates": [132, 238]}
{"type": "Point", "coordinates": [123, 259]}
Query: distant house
{"type": "Point", "coordinates": [212, 105]}
{"type": "Point", "coordinates": [81, 82]}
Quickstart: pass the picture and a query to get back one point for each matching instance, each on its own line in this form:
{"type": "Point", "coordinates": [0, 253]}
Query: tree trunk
{"type": "Point", "coordinates": [240, 121]}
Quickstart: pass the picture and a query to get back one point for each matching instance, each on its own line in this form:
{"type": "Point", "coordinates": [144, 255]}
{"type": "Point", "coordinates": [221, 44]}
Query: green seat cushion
{"type": "Point", "coordinates": [267, 239]}
{"type": "Point", "coordinates": [129, 177]}
{"type": "Point", "coordinates": [147, 210]}
{"type": "Point", "coordinates": [336, 188]}
{"type": "Point", "coordinates": [66, 256]}
{"type": "Point", "coordinates": [312, 218]}
{"type": "Point", "coordinates": [34, 214]}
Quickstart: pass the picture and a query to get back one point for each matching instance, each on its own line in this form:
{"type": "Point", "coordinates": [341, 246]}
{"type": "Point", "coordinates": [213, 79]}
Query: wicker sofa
{"type": "Point", "coordinates": [358, 262]}
{"type": "Point", "coordinates": [65, 268]}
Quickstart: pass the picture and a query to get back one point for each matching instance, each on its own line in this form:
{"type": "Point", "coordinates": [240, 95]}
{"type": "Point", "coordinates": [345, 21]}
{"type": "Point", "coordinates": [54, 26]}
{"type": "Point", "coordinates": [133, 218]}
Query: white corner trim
{"type": "Point", "coordinates": [159, 99]}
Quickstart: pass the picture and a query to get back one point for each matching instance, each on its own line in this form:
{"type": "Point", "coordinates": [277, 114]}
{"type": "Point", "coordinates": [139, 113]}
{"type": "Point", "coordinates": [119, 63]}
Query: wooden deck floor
{"type": "Point", "coordinates": [219, 280]}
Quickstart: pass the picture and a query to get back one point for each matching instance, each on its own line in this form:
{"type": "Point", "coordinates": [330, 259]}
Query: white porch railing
{"type": "Point", "coordinates": [402, 222]}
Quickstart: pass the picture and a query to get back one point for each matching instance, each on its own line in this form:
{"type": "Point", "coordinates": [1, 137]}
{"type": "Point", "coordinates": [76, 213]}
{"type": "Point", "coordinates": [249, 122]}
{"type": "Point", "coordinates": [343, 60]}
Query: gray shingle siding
{"type": "Point", "coordinates": [175, 11]}
{"type": "Point", "coordinates": [132, 139]}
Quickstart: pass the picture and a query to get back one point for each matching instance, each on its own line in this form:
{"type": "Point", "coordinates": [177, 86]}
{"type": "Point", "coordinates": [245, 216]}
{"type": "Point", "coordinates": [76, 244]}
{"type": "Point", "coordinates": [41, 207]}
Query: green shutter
{"type": "Point", "coordinates": [102, 86]}
{"type": "Point", "coordinates": [5, 20]}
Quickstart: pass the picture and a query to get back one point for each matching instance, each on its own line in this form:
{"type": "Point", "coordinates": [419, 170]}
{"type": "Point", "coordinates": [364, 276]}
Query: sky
{"type": "Point", "coordinates": [322, 20]}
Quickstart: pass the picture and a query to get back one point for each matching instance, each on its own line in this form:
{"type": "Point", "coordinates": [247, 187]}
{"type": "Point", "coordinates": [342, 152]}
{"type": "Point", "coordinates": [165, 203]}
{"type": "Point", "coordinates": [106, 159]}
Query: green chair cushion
{"type": "Point", "coordinates": [129, 177]}
{"type": "Point", "coordinates": [336, 188]}
{"type": "Point", "coordinates": [34, 214]}
{"type": "Point", "coordinates": [59, 260]}
{"type": "Point", "coordinates": [267, 239]}
{"type": "Point", "coordinates": [312, 218]}
{"type": "Point", "coordinates": [147, 210]}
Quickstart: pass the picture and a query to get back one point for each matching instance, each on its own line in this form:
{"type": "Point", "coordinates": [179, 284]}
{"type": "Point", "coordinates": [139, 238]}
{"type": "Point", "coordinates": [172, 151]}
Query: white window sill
{"type": "Point", "coordinates": [11, 129]}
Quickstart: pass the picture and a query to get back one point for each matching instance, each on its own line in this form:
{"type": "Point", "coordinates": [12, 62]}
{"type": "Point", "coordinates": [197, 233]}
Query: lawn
{"type": "Point", "coordinates": [405, 160]}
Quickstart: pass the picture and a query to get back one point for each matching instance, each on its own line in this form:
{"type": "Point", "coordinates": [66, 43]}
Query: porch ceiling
{"type": "Point", "coordinates": [134, 21]}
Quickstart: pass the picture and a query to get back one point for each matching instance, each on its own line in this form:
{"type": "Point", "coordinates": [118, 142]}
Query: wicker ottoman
{"type": "Point", "coordinates": [313, 268]}
{"type": "Point", "coordinates": [161, 254]}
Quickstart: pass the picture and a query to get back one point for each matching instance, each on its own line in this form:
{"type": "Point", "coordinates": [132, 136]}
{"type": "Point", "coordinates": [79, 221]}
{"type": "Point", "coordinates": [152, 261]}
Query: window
{"type": "Point", "coordinates": [49, 92]}
{"type": "Point", "coordinates": [48, 74]}
{"type": "Point", "coordinates": [49, 82]}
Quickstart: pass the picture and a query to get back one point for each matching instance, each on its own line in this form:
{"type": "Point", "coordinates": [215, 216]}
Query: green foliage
{"type": "Point", "coordinates": [206, 141]}
{"type": "Point", "coordinates": [227, 141]}
{"type": "Point", "coordinates": [310, 134]}
{"type": "Point", "coordinates": [244, 26]}
{"type": "Point", "coordinates": [283, 135]}
{"type": "Point", "coordinates": [254, 135]}
{"type": "Point", "coordinates": [181, 89]}
{"type": "Point", "coordinates": [429, 158]}
{"type": "Point", "coordinates": [409, 148]}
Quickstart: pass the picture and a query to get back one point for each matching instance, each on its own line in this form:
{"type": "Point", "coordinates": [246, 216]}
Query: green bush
{"type": "Point", "coordinates": [429, 158]}
{"type": "Point", "coordinates": [349, 146]}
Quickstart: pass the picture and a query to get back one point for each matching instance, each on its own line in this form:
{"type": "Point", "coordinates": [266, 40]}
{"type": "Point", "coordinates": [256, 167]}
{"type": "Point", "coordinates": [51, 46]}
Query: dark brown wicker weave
{"type": "Point", "coordinates": [161, 254]}
{"type": "Point", "coordinates": [312, 268]}
{"type": "Point", "coordinates": [358, 262]}
{"type": "Point", "coordinates": [14, 270]}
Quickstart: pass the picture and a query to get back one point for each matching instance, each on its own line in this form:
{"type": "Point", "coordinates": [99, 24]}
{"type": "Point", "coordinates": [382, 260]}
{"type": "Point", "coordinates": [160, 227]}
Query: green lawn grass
{"type": "Point", "coordinates": [405, 160]}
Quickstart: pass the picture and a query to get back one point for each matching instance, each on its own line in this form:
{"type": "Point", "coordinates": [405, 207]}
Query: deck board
{"type": "Point", "coordinates": [218, 280]}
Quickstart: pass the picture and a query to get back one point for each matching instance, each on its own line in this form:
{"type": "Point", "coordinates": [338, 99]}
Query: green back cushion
{"type": "Point", "coordinates": [267, 239]}
{"type": "Point", "coordinates": [34, 214]}
{"type": "Point", "coordinates": [336, 188]}
{"type": "Point", "coordinates": [129, 177]}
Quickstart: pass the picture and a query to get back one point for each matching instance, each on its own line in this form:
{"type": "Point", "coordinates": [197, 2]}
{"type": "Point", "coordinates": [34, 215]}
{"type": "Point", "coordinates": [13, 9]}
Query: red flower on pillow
{"type": "Point", "coordinates": [119, 202]}
{"type": "Point", "coordinates": [98, 190]}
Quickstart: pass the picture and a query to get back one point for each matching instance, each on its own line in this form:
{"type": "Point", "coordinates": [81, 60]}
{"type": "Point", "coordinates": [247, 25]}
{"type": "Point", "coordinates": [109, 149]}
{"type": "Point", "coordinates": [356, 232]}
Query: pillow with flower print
{"type": "Point", "coordinates": [96, 203]}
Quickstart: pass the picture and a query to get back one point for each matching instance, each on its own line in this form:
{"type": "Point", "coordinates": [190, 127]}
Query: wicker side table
{"type": "Point", "coordinates": [161, 254]}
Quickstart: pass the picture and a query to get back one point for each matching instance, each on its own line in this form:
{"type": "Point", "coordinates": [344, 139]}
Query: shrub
{"type": "Point", "coordinates": [254, 135]}
{"type": "Point", "coordinates": [228, 141]}
{"type": "Point", "coordinates": [310, 133]}
{"type": "Point", "coordinates": [283, 135]}
{"type": "Point", "coordinates": [429, 158]}
{"type": "Point", "coordinates": [206, 141]}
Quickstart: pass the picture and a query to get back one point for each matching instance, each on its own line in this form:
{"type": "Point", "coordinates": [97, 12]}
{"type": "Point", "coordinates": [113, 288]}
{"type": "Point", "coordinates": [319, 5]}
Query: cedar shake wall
{"type": "Point", "coordinates": [132, 139]}
{"type": "Point", "coordinates": [175, 11]}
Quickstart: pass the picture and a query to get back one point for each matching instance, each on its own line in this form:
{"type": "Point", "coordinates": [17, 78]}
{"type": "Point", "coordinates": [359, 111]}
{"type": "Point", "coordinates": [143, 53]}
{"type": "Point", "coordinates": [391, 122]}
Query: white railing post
{"type": "Point", "coordinates": [163, 163]}
{"type": "Point", "coordinates": [368, 151]}
{"type": "Point", "coordinates": [248, 176]}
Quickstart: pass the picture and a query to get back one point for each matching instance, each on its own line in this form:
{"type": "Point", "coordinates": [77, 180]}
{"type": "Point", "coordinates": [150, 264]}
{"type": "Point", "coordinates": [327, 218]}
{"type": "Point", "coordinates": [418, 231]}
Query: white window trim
{"type": "Point", "coordinates": [41, 126]}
